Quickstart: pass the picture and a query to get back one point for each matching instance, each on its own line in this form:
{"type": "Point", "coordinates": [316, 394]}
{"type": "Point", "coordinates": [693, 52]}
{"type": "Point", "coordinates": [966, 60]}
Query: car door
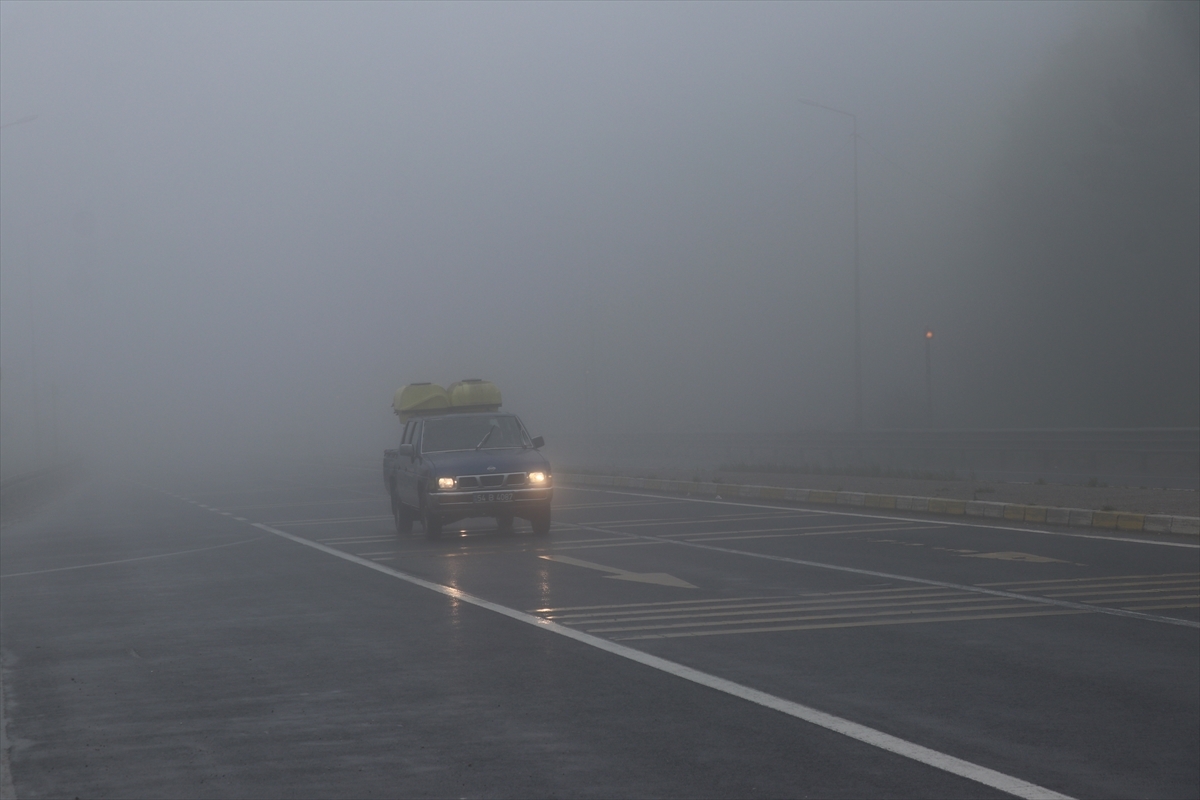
{"type": "Point", "coordinates": [397, 462]}
{"type": "Point", "coordinates": [407, 466]}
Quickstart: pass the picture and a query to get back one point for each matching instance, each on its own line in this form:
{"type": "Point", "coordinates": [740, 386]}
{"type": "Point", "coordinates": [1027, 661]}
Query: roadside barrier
{"type": "Point", "coordinates": [1012, 512]}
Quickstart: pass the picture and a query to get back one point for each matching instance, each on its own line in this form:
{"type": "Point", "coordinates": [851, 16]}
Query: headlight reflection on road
{"type": "Point", "coordinates": [453, 568]}
{"type": "Point", "coordinates": [543, 577]}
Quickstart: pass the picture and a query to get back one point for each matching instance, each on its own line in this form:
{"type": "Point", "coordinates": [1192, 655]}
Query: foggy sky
{"type": "Point", "coordinates": [238, 227]}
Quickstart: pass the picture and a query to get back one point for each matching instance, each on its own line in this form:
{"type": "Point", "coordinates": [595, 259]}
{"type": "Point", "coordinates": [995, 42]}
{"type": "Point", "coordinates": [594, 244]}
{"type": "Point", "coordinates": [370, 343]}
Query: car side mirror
{"type": "Point", "coordinates": [538, 442]}
{"type": "Point", "coordinates": [405, 450]}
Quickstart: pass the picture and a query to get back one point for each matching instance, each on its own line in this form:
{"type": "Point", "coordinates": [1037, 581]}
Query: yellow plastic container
{"type": "Point", "coordinates": [474, 393]}
{"type": "Point", "coordinates": [418, 397]}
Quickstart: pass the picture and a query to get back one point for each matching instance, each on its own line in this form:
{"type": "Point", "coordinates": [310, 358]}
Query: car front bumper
{"type": "Point", "coordinates": [490, 502]}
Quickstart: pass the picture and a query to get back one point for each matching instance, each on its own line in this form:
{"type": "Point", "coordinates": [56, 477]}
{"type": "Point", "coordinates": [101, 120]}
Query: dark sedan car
{"type": "Point", "coordinates": [455, 466]}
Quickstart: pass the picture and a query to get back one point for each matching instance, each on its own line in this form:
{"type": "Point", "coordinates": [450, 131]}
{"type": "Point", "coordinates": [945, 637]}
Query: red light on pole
{"type": "Point", "coordinates": [929, 375]}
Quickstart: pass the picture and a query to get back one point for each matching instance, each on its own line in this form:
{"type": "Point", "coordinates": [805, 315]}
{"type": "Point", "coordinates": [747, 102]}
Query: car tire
{"type": "Point", "coordinates": [403, 518]}
{"type": "Point", "coordinates": [540, 521]}
{"type": "Point", "coordinates": [431, 522]}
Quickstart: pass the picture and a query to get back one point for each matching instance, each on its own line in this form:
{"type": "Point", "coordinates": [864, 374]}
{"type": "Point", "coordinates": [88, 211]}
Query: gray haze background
{"type": "Point", "coordinates": [233, 229]}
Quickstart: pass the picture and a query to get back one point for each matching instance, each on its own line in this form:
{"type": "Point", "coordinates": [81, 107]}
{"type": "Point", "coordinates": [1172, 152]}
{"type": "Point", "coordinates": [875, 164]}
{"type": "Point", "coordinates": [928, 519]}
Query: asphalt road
{"type": "Point", "coordinates": [269, 636]}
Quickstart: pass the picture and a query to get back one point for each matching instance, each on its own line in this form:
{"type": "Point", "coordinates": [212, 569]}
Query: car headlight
{"type": "Point", "coordinates": [445, 483]}
{"type": "Point", "coordinates": [537, 477]}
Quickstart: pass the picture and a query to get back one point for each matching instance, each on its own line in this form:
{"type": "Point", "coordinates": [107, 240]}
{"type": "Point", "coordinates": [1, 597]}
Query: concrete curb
{"type": "Point", "coordinates": [1012, 512]}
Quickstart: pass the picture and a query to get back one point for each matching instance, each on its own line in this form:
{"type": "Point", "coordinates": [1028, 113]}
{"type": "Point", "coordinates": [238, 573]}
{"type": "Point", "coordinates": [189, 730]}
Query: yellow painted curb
{"type": "Point", "coordinates": [1035, 514]}
{"type": "Point", "coordinates": [941, 506]}
{"type": "Point", "coordinates": [1130, 522]}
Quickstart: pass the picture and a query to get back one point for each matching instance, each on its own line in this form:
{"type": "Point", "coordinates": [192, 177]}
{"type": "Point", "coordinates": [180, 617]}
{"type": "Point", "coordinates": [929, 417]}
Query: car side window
{"type": "Point", "coordinates": [415, 438]}
{"type": "Point", "coordinates": [408, 426]}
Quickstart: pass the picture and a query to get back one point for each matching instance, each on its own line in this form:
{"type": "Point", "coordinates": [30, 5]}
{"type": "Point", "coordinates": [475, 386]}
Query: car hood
{"type": "Point", "coordinates": [477, 462]}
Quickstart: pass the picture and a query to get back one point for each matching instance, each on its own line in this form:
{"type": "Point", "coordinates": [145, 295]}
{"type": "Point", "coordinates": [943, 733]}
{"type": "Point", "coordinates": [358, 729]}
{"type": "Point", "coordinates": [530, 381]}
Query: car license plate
{"type": "Point", "coordinates": [493, 497]}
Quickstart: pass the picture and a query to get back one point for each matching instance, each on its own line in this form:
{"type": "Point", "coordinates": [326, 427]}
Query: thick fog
{"type": "Point", "coordinates": [234, 230]}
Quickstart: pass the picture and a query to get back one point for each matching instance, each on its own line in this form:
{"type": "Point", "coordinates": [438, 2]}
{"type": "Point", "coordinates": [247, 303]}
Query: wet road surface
{"type": "Point", "coordinates": [262, 636]}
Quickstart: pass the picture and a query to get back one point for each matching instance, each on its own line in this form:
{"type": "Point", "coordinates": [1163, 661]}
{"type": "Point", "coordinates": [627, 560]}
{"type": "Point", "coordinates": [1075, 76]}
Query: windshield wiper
{"type": "Point", "coordinates": [487, 436]}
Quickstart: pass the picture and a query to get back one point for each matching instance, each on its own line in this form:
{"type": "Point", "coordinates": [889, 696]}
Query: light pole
{"type": "Point", "coordinates": [929, 374]}
{"type": "Point", "coordinates": [857, 331]}
{"type": "Point", "coordinates": [33, 336]}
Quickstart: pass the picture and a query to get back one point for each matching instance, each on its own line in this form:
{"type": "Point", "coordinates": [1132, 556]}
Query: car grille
{"type": "Point", "coordinates": [491, 480]}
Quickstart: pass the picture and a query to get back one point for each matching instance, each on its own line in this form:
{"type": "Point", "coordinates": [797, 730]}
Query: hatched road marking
{"type": "Point", "coordinates": [1012, 595]}
{"type": "Point", "coordinates": [774, 533]}
{"type": "Point", "coordinates": [334, 520]}
{"type": "Point", "coordinates": [802, 612]}
{"type": "Point", "coordinates": [659, 578]}
{"type": "Point", "coordinates": [1177, 590]}
{"type": "Point", "coordinates": [1010, 556]}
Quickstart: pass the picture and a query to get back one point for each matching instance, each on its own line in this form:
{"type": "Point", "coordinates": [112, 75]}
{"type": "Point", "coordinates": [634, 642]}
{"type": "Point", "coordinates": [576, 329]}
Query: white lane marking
{"type": "Point", "coordinates": [576, 506]}
{"type": "Point", "coordinates": [654, 606]}
{"type": "Point", "coordinates": [871, 623]}
{"type": "Point", "coordinates": [884, 741]}
{"type": "Point", "coordinates": [128, 560]}
{"type": "Point", "coordinates": [616, 537]}
{"type": "Point", "coordinates": [899, 606]}
{"type": "Point", "coordinates": [965, 587]}
{"type": "Point", "coordinates": [802, 530]}
{"type": "Point", "coordinates": [333, 521]}
{"type": "Point", "coordinates": [910, 519]}
{"type": "Point", "coordinates": [1030, 585]}
{"type": "Point", "coordinates": [315, 503]}
{"type": "Point", "coordinates": [358, 537]}
{"type": "Point", "coordinates": [658, 522]}
{"type": "Point", "coordinates": [626, 543]}
{"type": "Point", "coordinates": [722, 536]}
{"type": "Point", "coordinates": [241, 519]}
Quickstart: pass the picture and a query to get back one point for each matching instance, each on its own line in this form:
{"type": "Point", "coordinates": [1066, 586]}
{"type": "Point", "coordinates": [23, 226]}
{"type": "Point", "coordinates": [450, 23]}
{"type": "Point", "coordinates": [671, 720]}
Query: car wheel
{"type": "Point", "coordinates": [403, 517]}
{"type": "Point", "coordinates": [431, 522]}
{"type": "Point", "coordinates": [541, 523]}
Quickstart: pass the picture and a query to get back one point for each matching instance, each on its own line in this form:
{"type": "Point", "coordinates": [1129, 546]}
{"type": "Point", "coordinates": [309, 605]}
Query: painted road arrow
{"type": "Point", "coordinates": [660, 578]}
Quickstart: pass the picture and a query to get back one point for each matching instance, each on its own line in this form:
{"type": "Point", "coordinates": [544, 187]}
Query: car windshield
{"type": "Point", "coordinates": [483, 431]}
